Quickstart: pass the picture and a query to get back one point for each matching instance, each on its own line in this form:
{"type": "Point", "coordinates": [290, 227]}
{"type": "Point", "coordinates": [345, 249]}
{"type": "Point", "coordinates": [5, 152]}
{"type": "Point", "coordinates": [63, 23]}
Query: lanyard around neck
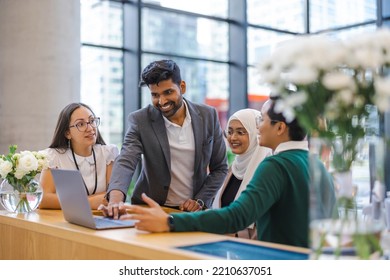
{"type": "Point", "coordinates": [77, 166]}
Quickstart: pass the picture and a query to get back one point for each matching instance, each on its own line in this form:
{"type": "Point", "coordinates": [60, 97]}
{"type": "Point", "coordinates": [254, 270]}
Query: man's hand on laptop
{"type": "Point", "coordinates": [113, 209]}
{"type": "Point", "coordinates": [191, 205]}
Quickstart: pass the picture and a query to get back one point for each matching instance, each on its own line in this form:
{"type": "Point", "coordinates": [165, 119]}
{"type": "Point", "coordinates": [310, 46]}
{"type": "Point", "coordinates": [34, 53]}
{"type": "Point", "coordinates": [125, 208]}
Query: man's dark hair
{"type": "Point", "coordinates": [296, 132]}
{"type": "Point", "coordinates": [160, 70]}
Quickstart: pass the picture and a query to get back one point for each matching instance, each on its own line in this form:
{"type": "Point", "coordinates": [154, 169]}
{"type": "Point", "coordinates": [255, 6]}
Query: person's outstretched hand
{"type": "Point", "coordinates": [152, 218]}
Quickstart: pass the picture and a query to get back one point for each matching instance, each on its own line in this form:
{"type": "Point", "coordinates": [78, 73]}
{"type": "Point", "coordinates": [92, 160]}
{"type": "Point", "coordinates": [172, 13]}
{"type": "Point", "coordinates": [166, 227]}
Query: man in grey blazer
{"type": "Point", "coordinates": [180, 144]}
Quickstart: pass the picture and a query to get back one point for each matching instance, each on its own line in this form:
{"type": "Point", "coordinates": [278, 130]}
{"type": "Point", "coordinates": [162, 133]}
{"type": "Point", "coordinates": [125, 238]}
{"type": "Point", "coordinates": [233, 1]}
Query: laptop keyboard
{"type": "Point", "coordinates": [101, 223]}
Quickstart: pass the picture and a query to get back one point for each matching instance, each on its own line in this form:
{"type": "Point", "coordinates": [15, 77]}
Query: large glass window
{"type": "Point", "coordinates": [261, 43]}
{"type": "Point", "coordinates": [196, 35]}
{"type": "Point", "coordinates": [102, 65]}
{"type": "Point", "coordinates": [192, 36]}
{"type": "Point", "coordinates": [102, 89]}
{"type": "Point", "coordinates": [386, 8]}
{"type": "Point", "coordinates": [348, 33]}
{"type": "Point", "coordinates": [325, 14]}
{"type": "Point", "coordinates": [101, 23]}
{"type": "Point", "coordinates": [199, 44]}
{"type": "Point", "coordinates": [281, 14]}
{"type": "Point", "coordinates": [207, 7]}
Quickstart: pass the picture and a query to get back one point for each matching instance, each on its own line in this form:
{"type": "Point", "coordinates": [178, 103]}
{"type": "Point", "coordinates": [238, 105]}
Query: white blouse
{"type": "Point", "coordinates": [105, 154]}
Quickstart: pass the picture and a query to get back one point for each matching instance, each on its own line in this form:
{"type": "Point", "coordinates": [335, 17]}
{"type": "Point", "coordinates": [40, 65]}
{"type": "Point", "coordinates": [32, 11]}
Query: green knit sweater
{"type": "Point", "coordinates": [276, 199]}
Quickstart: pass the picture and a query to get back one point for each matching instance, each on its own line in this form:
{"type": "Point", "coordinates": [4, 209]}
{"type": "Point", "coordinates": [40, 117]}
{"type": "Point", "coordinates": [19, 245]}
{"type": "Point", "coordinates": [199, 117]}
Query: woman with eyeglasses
{"type": "Point", "coordinates": [241, 136]}
{"type": "Point", "coordinates": [77, 144]}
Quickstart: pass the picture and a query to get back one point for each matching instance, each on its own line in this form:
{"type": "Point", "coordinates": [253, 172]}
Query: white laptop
{"type": "Point", "coordinates": [73, 199]}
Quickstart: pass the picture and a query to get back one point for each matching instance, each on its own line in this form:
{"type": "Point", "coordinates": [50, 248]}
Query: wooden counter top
{"type": "Point", "coordinates": [44, 234]}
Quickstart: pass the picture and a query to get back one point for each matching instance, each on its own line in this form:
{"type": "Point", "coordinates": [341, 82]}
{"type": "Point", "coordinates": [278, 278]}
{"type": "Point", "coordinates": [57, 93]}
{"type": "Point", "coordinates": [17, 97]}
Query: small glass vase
{"type": "Point", "coordinates": [20, 202]}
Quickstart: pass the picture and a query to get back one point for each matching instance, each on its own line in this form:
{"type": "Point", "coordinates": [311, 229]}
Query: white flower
{"type": "Point", "coordinates": [20, 173]}
{"type": "Point", "coordinates": [287, 105]}
{"type": "Point", "coordinates": [382, 98]}
{"type": "Point", "coordinates": [27, 163]}
{"type": "Point", "coordinates": [43, 162]}
{"type": "Point", "coordinates": [383, 42]}
{"type": "Point", "coordinates": [20, 168]}
{"type": "Point", "coordinates": [41, 155]}
{"type": "Point", "coordinates": [319, 77]}
{"type": "Point", "coordinates": [345, 96]}
{"type": "Point", "coordinates": [269, 72]}
{"type": "Point", "coordinates": [337, 81]}
{"type": "Point", "coordinates": [332, 56]}
{"type": "Point", "coordinates": [302, 75]}
{"type": "Point", "coordinates": [365, 57]}
{"type": "Point", "coordinates": [5, 168]}
{"type": "Point", "coordinates": [332, 110]}
{"type": "Point", "coordinates": [287, 111]}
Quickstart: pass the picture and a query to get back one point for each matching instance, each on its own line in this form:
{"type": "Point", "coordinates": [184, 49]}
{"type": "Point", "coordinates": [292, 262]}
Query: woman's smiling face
{"type": "Point", "coordinates": [237, 137]}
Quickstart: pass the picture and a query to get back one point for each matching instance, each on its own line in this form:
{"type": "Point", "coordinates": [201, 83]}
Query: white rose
{"type": "Point", "coordinates": [42, 164]}
{"type": "Point", "coordinates": [27, 162]}
{"type": "Point", "coordinates": [41, 154]}
{"type": "Point", "coordinates": [43, 161]}
{"type": "Point", "coordinates": [5, 168]}
{"type": "Point", "coordinates": [19, 173]}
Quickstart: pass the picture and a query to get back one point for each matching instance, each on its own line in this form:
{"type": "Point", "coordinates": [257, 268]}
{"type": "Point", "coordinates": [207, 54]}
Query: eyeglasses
{"type": "Point", "coordinates": [82, 126]}
{"type": "Point", "coordinates": [260, 119]}
{"type": "Point", "coordinates": [238, 132]}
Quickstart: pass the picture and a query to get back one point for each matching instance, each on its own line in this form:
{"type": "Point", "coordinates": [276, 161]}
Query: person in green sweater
{"type": "Point", "coordinates": [276, 198]}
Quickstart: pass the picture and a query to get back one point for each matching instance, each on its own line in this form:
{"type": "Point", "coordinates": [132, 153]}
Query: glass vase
{"type": "Point", "coordinates": [20, 202]}
{"type": "Point", "coordinates": [338, 228]}
{"type": "Point", "coordinates": [345, 238]}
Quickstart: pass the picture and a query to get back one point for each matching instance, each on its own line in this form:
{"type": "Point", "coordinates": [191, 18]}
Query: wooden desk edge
{"type": "Point", "coordinates": [128, 242]}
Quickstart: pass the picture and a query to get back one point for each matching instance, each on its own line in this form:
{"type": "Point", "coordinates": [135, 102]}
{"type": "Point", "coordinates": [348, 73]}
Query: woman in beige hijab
{"type": "Point", "coordinates": [241, 135]}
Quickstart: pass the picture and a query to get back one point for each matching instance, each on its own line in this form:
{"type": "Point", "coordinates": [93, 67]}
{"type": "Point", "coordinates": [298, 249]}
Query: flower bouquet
{"type": "Point", "coordinates": [332, 87]}
{"type": "Point", "coordinates": [19, 191]}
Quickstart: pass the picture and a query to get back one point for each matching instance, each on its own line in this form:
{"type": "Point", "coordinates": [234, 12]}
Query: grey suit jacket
{"type": "Point", "coordinates": [146, 139]}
